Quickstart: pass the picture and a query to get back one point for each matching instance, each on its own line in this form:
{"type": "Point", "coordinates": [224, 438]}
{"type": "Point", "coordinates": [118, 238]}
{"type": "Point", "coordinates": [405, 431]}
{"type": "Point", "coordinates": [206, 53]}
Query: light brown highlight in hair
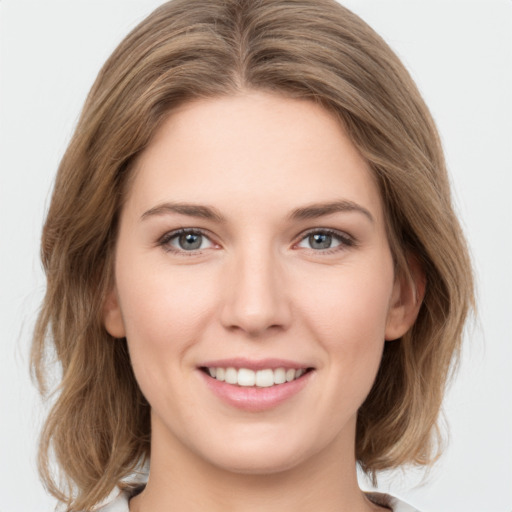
{"type": "Point", "coordinates": [99, 430]}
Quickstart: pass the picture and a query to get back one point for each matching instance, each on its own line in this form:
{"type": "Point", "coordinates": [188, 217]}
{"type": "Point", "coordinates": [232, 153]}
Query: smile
{"type": "Point", "coordinates": [263, 378]}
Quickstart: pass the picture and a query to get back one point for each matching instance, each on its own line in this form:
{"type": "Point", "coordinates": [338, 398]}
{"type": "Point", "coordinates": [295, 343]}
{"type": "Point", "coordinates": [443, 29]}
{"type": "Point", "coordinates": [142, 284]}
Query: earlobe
{"type": "Point", "coordinates": [406, 300]}
{"type": "Point", "coordinates": [112, 318]}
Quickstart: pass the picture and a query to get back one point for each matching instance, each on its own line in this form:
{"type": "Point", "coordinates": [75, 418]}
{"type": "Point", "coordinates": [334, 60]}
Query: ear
{"type": "Point", "coordinates": [112, 318]}
{"type": "Point", "coordinates": [406, 300]}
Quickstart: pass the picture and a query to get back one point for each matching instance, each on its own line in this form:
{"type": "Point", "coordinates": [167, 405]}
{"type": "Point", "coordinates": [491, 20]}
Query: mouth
{"type": "Point", "coordinates": [256, 385]}
{"type": "Point", "coordinates": [262, 378]}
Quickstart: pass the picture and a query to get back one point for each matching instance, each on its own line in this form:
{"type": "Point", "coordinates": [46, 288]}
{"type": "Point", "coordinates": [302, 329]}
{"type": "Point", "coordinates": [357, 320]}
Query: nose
{"type": "Point", "coordinates": [255, 294]}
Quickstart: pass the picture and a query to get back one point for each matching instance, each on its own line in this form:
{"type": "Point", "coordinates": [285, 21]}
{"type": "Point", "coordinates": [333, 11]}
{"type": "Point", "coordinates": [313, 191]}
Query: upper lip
{"type": "Point", "coordinates": [254, 364]}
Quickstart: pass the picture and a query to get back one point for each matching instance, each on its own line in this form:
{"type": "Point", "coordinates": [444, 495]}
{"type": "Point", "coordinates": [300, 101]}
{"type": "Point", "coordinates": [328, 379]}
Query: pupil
{"type": "Point", "coordinates": [190, 241]}
{"type": "Point", "coordinates": [320, 241]}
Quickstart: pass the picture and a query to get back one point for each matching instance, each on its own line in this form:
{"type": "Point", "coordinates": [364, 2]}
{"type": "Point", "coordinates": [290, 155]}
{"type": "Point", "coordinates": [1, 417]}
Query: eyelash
{"type": "Point", "coordinates": [165, 240]}
{"type": "Point", "coordinates": [345, 240]}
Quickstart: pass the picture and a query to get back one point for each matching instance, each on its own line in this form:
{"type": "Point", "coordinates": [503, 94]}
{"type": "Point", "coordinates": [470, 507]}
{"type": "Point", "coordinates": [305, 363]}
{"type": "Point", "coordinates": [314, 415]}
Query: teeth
{"type": "Point", "coordinates": [246, 377]}
{"type": "Point", "coordinates": [264, 378]}
{"type": "Point", "coordinates": [220, 373]}
{"type": "Point", "coordinates": [231, 376]}
{"type": "Point", "coordinates": [261, 378]}
{"type": "Point", "coordinates": [279, 376]}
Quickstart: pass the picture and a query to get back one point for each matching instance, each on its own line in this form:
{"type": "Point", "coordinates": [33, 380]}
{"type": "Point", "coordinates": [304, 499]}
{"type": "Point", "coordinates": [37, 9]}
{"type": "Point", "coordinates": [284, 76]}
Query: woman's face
{"type": "Point", "coordinates": [252, 248]}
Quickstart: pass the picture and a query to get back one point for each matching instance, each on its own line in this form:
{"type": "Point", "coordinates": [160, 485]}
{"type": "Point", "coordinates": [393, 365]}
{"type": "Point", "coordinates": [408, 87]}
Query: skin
{"type": "Point", "coordinates": [256, 288]}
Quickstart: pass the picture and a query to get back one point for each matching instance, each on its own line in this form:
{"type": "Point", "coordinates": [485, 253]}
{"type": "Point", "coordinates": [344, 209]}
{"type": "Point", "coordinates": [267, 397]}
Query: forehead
{"type": "Point", "coordinates": [255, 150]}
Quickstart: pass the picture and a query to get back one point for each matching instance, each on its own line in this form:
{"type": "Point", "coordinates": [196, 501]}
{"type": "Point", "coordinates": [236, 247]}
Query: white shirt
{"type": "Point", "coordinates": [118, 502]}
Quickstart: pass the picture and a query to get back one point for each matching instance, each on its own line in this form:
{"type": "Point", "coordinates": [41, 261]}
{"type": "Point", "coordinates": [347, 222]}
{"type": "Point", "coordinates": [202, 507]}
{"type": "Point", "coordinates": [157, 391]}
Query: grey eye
{"type": "Point", "coordinates": [187, 241]}
{"type": "Point", "coordinates": [190, 241]}
{"type": "Point", "coordinates": [323, 240]}
{"type": "Point", "coordinates": [320, 241]}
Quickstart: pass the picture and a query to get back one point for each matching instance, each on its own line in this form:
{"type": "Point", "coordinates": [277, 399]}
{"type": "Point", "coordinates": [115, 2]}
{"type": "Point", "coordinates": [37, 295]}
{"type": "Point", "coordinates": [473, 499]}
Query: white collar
{"type": "Point", "coordinates": [117, 501]}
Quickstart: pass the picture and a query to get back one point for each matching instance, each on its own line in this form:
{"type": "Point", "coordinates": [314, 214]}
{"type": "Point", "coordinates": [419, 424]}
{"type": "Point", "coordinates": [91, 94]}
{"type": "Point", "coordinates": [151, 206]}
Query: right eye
{"type": "Point", "coordinates": [186, 240]}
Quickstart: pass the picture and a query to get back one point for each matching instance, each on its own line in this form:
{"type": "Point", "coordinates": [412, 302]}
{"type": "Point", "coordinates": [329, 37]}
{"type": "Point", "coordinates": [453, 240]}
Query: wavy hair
{"type": "Point", "coordinates": [98, 429]}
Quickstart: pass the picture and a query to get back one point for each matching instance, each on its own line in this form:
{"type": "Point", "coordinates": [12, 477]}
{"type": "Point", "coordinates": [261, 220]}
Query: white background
{"type": "Point", "coordinates": [460, 53]}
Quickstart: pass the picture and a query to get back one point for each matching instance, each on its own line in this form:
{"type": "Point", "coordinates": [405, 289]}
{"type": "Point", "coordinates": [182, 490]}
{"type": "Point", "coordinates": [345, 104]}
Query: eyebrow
{"type": "Point", "coordinates": [316, 210]}
{"type": "Point", "coordinates": [312, 211]}
{"type": "Point", "coordinates": [192, 210]}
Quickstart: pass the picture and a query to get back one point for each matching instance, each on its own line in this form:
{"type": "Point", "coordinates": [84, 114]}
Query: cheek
{"type": "Point", "coordinates": [347, 311]}
{"type": "Point", "coordinates": [164, 313]}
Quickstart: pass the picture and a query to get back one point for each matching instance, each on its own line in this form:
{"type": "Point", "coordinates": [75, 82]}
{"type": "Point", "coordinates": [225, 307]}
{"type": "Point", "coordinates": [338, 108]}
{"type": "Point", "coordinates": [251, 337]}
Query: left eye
{"type": "Point", "coordinates": [322, 240]}
{"type": "Point", "coordinates": [187, 241]}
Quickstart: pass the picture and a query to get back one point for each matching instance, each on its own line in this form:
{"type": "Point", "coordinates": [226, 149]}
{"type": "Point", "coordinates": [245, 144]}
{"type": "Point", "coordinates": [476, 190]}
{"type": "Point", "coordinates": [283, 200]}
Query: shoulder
{"type": "Point", "coordinates": [118, 502]}
{"type": "Point", "coordinates": [392, 503]}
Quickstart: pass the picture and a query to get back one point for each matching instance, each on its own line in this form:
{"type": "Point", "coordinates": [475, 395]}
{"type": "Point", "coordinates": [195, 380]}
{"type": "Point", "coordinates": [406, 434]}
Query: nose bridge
{"type": "Point", "coordinates": [255, 298]}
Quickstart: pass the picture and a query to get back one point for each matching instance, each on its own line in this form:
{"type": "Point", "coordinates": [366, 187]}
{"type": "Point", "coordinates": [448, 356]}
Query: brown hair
{"type": "Point", "coordinates": [98, 428]}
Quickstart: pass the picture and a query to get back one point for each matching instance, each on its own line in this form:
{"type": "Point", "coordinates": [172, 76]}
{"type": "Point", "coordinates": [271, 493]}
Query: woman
{"type": "Point", "coordinates": [256, 280]}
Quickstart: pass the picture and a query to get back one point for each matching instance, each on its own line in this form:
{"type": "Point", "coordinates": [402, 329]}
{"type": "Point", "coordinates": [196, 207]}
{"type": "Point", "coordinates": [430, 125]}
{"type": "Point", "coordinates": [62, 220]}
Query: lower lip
{"type": "Point", "coordinates": [254, 399]}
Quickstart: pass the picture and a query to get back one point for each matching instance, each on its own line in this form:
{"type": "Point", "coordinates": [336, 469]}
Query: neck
{"type": "Point", "coordinates": [180, 480]}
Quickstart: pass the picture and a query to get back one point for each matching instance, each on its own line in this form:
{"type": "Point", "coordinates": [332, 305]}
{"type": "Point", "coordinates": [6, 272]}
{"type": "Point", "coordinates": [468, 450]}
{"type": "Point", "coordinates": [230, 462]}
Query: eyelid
{"type": "Point", "coordinates": [343, 237]}
{"type": "Point", "coordinates": [346, 240]}
{"type": "Point", "coordinates": [164, 240]}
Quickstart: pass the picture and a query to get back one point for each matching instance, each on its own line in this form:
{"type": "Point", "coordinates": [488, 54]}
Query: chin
{"type": "Point", "coordinates": [262, 456]}
{"type": "Point", "coordinates": [258, 465]}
